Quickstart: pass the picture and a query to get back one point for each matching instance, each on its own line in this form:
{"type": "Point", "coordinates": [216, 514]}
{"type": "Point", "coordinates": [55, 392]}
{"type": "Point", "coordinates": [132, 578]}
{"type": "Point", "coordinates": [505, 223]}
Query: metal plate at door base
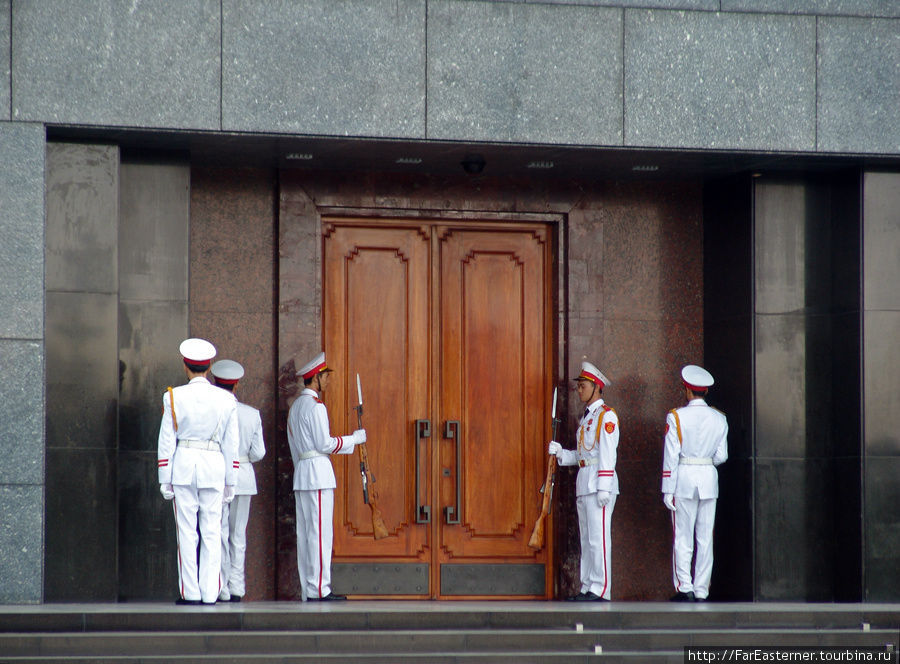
{"type": "Point", "coordinates": [492, 579]}
{"type": "Point", "coordinates": [379, 578]}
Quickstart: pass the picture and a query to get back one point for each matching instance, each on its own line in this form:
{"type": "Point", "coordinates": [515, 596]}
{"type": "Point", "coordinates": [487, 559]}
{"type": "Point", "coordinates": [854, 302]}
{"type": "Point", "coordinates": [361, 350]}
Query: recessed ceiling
{"type": "Point", "coordinates": [234, 150]}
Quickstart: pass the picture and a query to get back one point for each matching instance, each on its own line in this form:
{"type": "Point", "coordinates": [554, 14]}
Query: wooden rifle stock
{"type": "Point", "coordinates": [537, 534]}
{"type": "Point", "coordinates": [379, 530]}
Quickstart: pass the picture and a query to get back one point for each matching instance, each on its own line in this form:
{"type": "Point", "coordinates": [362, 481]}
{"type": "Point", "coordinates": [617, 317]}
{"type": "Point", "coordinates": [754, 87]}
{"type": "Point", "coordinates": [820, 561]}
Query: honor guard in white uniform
{"type": "Point", "coordinates": [596, 485]}
{"type": "Point", "coordinates": [251, 449]}
{"type": "Point", "coordinates": [696, 442]}
{"type": "Point", "coordinates": [197, 460]}
{"type": "Point", "coordinates": [311, 442]}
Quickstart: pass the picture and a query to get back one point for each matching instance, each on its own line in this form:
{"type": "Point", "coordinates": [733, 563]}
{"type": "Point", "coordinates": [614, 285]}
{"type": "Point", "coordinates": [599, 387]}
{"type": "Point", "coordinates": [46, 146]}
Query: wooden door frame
{"type": "Point", "coordinates": [556, 224]}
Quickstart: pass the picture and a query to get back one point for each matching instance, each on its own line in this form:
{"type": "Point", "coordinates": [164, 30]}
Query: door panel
{"type": "Point", "coordinates": [492, 354]}
{"type": "Point", "coordinates": [376, 324]}
{"type": "Point", "coordinates": [447, 326]}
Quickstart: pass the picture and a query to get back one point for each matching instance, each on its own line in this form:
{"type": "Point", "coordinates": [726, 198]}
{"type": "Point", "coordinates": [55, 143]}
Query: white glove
{"type": "Point", "coordinates": [360, 436]}
{"type": "Point", "coordinates": [167, 491]}
{"type": "Point", "coordinates": [603, 498]}
{"type": "Point", "coordinates": [554, 448]}
{"type": "Point", "coordinates": [669, 501]}
{"type": "Point", "coordinates": [228, 495]}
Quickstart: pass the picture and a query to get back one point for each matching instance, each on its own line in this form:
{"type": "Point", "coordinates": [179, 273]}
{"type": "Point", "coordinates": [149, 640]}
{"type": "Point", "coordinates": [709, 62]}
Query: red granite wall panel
{"type": "Point", "coordinates": [233, 300]}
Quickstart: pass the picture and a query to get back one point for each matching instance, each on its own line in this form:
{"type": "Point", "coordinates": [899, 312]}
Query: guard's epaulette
{"type": "Point", "coordinates": [674, 413]}
{"type": "Point", "coordinates": [318, 400]}
{"type": "Point", "coordinates": [608, 409]}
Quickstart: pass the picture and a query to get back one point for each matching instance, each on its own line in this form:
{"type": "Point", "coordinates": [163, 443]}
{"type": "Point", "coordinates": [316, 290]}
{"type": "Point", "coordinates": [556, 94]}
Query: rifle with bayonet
{"type": "Point", "coordinates": [537, 535]}
{"type": "Point", "coordinates": [379, 530]}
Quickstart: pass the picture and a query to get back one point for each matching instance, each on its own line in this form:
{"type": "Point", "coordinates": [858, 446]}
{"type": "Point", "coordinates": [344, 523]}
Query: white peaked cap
{"type": "Point", "coordinates": [227, 371]}
{"type": "Point", "coordinates": [313, 367]}
{"type": "Point", "coordinates": [592, 373]}
{"type": "Point", "coordinates": [197, 351]}
{"type": "Point", "coordinates": [694, 376]}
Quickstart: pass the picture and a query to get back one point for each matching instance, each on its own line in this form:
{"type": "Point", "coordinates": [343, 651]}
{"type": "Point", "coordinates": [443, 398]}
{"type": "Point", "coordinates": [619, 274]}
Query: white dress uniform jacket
{"type": "Point", "coordinates": [598, 441]}
{"type": "Point", "coordinates": [203, 413]}
{"type": "Point", "coordinates": [310, 440]}
{"type": "Point", "coordinates": [236, 515]}
{"type": "Point", "coordinates": [197, 453]}
{"type": "Point", "coordinates": [696, 442]}
{"type": "Point", "coordinates": [251, 449]}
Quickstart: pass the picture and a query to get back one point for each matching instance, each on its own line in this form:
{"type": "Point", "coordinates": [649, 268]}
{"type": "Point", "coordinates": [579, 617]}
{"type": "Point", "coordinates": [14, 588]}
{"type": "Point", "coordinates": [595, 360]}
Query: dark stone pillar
{"type": "Point", "coordinates": [881, 368]}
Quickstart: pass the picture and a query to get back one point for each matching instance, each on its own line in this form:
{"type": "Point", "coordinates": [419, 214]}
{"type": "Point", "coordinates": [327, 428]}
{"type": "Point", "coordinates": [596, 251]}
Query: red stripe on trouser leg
{"type": "Point", "coordinates": [605, 569]}
{"type": "Point", "coordinates": [319, 500]}
{"type": "Point", "coordinates": [674, 567]}
{"type": "Point", "coordinates": [178, 547]}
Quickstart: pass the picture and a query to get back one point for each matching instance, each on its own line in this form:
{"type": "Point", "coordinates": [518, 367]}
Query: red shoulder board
{"type": "Point", "coordinates": [318, 400]}
{"type": "Point", "coordinates": [610, 427]}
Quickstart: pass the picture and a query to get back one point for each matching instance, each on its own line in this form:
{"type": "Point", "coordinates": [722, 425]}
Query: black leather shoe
{"type": "Point", "coordinates": [576, 598]}
{"type": "Point", "coordinates": [699, 599]}
{"type": "Point", "coordinates": [682, 597]}
{"type": "Point", "coordinates": [589, 597]}
{"type": "Point", "coordinates": [235, 598]}
{"type": "Point", "coordinates": [188, 602]}
{"type": "Point", "coordinates": [331, 597]}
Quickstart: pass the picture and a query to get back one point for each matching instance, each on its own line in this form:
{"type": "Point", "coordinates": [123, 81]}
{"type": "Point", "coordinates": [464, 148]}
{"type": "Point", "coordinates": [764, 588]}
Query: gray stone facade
{"type": "Point", "coordinates": [811, 77]}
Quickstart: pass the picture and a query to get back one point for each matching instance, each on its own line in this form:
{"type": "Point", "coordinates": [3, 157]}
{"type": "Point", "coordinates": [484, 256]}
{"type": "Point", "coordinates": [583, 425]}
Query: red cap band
{"type": "Point", "coordinates": [591, 377]}
{"type": "Point", "coordinates": [316, 369]}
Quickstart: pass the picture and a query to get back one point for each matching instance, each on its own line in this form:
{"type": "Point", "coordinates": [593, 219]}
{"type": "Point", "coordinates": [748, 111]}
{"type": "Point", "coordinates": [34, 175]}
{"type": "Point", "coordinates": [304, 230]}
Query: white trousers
{"type": "Point", "coordinates": [693, 521]}
{"type": "Point", "coordinates": [315, 534]}
{"type": "Point", "coordinates": [594, 524]}
{"type": "Point", "coordinates": [234, 546]}
{"type": "Point", "coordinates": [198, 507]}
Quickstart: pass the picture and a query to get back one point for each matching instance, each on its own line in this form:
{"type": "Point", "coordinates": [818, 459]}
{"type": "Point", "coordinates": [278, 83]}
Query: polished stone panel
{"type": "Point", "coordinates": [526, 73]}
{"type": "Point", "coordinates": [720, 80]}
{"type": "Point", "coordinates": [149, 335]}
{"type": "Point", "coordinates": [81, 547]}
{"type": "Point", "coordinates": [281, 59]}
{"type": "Point", "coordinates": [781, 389]}
{"type": "Point", "coordinates": [881, 240]}
{"type": "Point", "coordinates": [148, 555]}
{"type": "Point", "coordinates": [21, 543]}
{"type": "Point", "coordinates": [82, 218]}
{"type": "Point", "coordinates": [22, 231]}
{"type": "Point", "coordinates": [149, 64]}
{"type": "Point", "coordinates": [82, 394]}
{"type": "Point", "coordinates": [882, 530]}
{"type": "Point", "coordinates": [154, 229]}
{"type": "Point", "coordinates": [794, 503]}
{"type": "Point", "coordinates": [858, 113]}
{"type": "Point", "coordinates": [882, 396]}
{"type": "Point", "coordinates": [153, 319]}
{"type": "Point", "coordinates": [22, 424]}
{"type": "Point", "coordinates": [781, 251]}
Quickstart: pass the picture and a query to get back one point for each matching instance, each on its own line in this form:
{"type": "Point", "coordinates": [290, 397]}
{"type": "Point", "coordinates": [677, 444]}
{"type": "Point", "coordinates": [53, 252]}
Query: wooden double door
{"type": "Point", "coordinates": [448, 325]}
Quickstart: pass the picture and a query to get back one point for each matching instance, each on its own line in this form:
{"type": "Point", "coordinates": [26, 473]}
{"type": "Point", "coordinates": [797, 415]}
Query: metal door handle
{"type": "Point", "coordinates": [423, 512]}
{"type": "Point", "coordinates": [451, 430]}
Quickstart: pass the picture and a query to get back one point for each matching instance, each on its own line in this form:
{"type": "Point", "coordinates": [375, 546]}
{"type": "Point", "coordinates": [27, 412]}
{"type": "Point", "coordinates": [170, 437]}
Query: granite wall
{"type": "Point", "coordinates": [22, 359]}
